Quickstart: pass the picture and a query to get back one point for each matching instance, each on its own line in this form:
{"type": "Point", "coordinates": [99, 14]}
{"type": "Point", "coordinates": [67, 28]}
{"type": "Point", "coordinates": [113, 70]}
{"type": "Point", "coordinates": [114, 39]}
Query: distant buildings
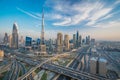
{"type": "Point", "coordinates": [10, 40]}
{"type": "Point", "coordinates": [98, 66]}
{"type": "Point", "coordinates": [74, 40]}
{"type": "Point", "coordinates": [87, 40]}
{"type": "Point", "coordinates": [21, 42]}
{"type": "Point", "coordinates": [1, 55]}
{"type": "Point", "coordinates": [92, 41]}
{"type": "Point", "coordinates": [6, 39]}
{"type": "Point", "coordinates": [66, 43]}
{"type": "Point", "coordinates": [28, 41]}
{"type": "Point", "coordinates": [77, 40]}
{"type": "Point", "coordinates": [80, 41]}
{"type": "Point", "coordinates": [59, 42]}
{"type": "Point", "coordinates": [15, 36]}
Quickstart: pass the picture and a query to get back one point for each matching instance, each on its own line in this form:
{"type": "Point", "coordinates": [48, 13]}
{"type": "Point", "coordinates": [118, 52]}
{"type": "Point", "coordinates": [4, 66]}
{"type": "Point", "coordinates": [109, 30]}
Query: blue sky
{"type": "Point", "coordinates": [98, 18]}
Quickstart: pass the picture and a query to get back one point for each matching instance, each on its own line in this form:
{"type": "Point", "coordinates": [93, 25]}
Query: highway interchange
{"type": "Point", "coordinates": [76, 70]}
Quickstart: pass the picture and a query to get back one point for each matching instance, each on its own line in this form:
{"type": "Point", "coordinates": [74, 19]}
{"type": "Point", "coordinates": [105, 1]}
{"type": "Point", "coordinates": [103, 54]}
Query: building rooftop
{"type": "Point", "coordinates": [94, 58]}
{"type": "Point", "coordinates": [102, 60]}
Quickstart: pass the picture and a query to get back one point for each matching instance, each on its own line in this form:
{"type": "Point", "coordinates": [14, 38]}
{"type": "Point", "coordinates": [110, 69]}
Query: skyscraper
{"type": "Point", "coordinates": [74, 40]}
{"type": "Point", "coordinates": [87, 40]}
{"type": "Point", "coordinates": [77, 39]}
{"type": "Point", "coordinates": [6, 39]}
{"type": "Point", "coordinates": [10, 41]}
{"type": "Point", "coordinates": [15, 36]}
{"type": "Point", "coordinates": [21, 40]}
{"type": "Point", "coordinates": [42, 31]}
{"type": "Point", "coordinates": [66, 42]}
{"type": "Point", "coordinates": [42, 43]}
{"type": "Point", "coordinates": [59, 42]}
{"type": "Point", "coordinates": [80, 40]}
{"type": "Point", "coordinates": [102, 66]}
{"type": "Point", "coordinates": [28, 41]}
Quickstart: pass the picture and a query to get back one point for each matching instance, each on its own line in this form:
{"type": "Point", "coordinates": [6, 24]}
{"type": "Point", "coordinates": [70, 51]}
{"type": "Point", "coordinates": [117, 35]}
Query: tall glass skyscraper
{"type": "Point", "coordinates": [77, 39]}
{"type": "Point", "coordinates": [15, 36]}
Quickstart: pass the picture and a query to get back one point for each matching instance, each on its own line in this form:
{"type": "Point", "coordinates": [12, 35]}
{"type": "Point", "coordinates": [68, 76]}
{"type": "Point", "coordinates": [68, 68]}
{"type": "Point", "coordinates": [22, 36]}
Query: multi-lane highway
{"type": "Point", "coordinates": [77, 61]}
{"type": "Point", "coordinates": [16, 69]}
{"type": "Point", "coordinates": [78, 69]}
{"type": "Point", "coordinates": [39, 65]}
{"type": "Point", "coordinates": [73, 66]}
{"type": "Point", "coordinates": [71, 72]}
{"type": "Point", "coordinates": [110, 60]}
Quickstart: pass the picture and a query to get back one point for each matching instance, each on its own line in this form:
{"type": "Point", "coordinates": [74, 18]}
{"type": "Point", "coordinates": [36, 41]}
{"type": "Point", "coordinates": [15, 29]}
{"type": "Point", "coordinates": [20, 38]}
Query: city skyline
{"type": "Point", "coordinates": [100, 21]}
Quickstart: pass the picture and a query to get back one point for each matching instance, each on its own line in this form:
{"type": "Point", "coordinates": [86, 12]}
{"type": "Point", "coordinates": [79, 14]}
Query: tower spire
{"type": "Point", "coordinates": [42, 32]}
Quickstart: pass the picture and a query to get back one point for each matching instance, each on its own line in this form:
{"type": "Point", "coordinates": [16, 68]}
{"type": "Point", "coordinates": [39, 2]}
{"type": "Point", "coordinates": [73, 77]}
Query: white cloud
{"type": "Point", "coordinates": [117, 2]}
{"type": "Point", "coordinates": [107, 16]}
{"type": "Point", "coordinates": [76, 13]}
{"type": "Point", "coordinates": [108, 24]}
{"type": "Point", "coordinates": [100, 13]}
{"type": "Point", "coordinates": [29, 14]}
{"type": "Point", "coordinates": [63, 23]}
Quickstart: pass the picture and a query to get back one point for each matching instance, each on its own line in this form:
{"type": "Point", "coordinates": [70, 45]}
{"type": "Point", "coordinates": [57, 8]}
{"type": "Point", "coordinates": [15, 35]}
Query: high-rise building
{"type": "Point", "coordinates": [102, 66]}
{"type": "Point", "coordinates": [50, 43]}
{"type": "Point", "coordinates": [77, 39]}
{"type": "Point", "coordinates": [98, 66]}
{"type": "Point", "coordinates": [59, 42]}
{"type": "Point", "coordinates": [10, 40]}
{"type": "Point", "coordinates": [80, 40]}
{"type": "Point", "coordinates": [74, 40]}
{"type": "Point", "coordinates": [15, 36]}
{"type": "Point", "coordinates": [28, 41]}
{"type": "Point", "coordinates": [38, 41]}
{"type": "Point", "coordinates": [87, 40]}
{"type": "Point", "coordinates": [6, 39]}
{"type": "Point", "coordinates": [93, 65]}
{"type": "Point", "coordinates": [92, 42]}
{"type": "Point", "coordinates": [21, 40]}
{"type": "Point", "coordinates": [66, 42]}
{"type": "Point", "coordinates": [42, 43]}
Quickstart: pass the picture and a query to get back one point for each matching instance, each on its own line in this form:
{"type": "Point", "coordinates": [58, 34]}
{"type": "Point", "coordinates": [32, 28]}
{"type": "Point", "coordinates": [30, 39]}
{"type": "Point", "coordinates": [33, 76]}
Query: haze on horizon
{"type": "Point", "coordinates": [98, 18]}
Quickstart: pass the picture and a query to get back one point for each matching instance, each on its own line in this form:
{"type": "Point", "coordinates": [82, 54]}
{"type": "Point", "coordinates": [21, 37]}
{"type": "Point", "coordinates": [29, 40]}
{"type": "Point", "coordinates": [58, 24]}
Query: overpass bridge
{"type": "Point", "coordinates": [71, 72]}
{"type": "Point", "coordinates": [38, 66]}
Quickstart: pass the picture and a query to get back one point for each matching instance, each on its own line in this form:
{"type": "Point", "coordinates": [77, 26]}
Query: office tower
{"type": "Point", "coordinates": [10, 40]}
{"type": "Point", "coordinates": [1, 55]}
{"type": "Point", "coordinates": [28, 41]}
{"type": "Point", "coordinates": [66, 42]}
{"type": "Point", "coordinates": [102, 66]}
{"type": "Point", "coordinates": [21, 40]}
{"type": "Point", "coordinates": [93, 65]}
{"type": "Point", "coordinates": [77, 39]}
{"type": "Point", "coordinates": [38, 41]}
{"type": "Point", "coordinates": [59, 42]}
{"type": "Point", "coordinates": [83, 41]}
{"type": "Point", "coordinates": [6, 39]}
{"type": "Point", "coordinates": [98, 66]}
{"type": "Point", "coordinates": [92, 42]}
{"type": "Point", "coordinates": [42, 44]}
{"type": "Point", "coordinates": [74, 40]}
{"type": "Point", "coordinates": [50, 45]}
{"type": "Point", "coordinates": [80, 40]}
{"type": "Point", "coordinates": [15, 36]}
{"type": "Point", "coordinates": [87, 40]}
